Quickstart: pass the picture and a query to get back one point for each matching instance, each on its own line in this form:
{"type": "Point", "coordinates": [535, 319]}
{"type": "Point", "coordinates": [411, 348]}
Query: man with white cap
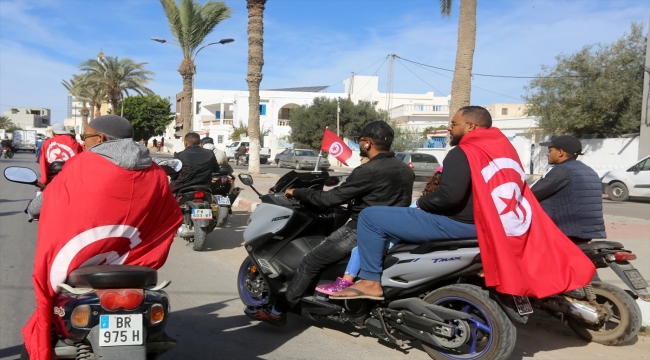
{"type": "Point", "coordinates": [61, 147]}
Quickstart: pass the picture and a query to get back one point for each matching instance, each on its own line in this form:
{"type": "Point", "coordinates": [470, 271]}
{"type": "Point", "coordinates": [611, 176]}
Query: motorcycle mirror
{"type": "Point", "coordinates": [174, 164]}
{"type": "Point", "coordinates": [20, 175]}
{"type": "Point", "coordinates": [332, 181]}
{"type": "Point", "coordinates": [246, 179]}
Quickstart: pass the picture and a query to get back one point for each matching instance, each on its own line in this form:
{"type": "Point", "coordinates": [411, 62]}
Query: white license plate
{"type": "Point", "coordinates": [523, 305]}
{"type": "Point", "coordinates": [223, 200]}
{"type": "Point", "coordinates": [201, 214]}
{"type": "Point", "coordinates": [118, 330]}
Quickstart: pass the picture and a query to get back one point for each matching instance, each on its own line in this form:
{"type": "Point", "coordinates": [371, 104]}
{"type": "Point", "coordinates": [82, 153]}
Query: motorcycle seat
{"type": "Point", "coordinates": [193, 188]}
{"type": "Point", "coordinates": [600, 245]}
{"type": "Point", "coordinates": [433, 245]}
{"type": "Point", "coordinates": [113, 277]}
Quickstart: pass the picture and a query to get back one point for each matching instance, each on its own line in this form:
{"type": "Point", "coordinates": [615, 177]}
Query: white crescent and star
{"type": "Point", "coordinates": [58, 152]}
{"type": "Point", "coordinates": [336, 149]}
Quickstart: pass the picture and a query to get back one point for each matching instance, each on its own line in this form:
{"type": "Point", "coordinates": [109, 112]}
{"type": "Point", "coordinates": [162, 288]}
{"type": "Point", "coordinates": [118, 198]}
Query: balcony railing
{"type": "Point", "coordinates": [419, 110]}
{"type": "Point", "coordinates": [283, 122]}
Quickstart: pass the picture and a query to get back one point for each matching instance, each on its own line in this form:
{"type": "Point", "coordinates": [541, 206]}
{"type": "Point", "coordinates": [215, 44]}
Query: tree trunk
{"type": "Point", "coordinates": [98, 110]}
{"type": "Point", "coordinates": [115, 110]}
{"type": "Point", "coordinates": [461, 85]}
{"type": "Point", "coordinates": [187, 71]}
{"type": "Point", "coordinates": [84, 117]}
{"type": "Point", "coordinates": [254, 78]}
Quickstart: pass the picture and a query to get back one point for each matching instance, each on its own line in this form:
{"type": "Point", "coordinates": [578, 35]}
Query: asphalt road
{"type": "Point", "coordinates": [207, 318]}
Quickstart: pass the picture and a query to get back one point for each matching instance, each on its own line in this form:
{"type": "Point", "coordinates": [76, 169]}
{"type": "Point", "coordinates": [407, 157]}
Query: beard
{"type": "Point", "coordinates": [455, 140]}
{"type": "Point", "coordinates": [362, 152]}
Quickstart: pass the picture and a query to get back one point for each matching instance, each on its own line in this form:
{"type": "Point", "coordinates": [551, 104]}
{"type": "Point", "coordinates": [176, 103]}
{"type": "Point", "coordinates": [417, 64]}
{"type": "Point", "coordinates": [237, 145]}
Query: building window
{"type": "Point", "coordinates": [285, 113]}
{"type": "Point", "coordinates": [198, 107]}
{"type": "Point", "coordinates": [219, 139]}
{"type": "Point", "coordinates": [217, 115]}
{"type": "Point", "coordinates": [263, 109]}
{"type": "Point", "coordinates": [504, 111]}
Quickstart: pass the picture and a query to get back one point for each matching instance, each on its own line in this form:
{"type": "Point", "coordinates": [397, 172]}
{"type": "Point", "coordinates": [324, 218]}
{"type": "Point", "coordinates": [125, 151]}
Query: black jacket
{"type": "Point", "coordinates": [198, 166]}
{"type": "Point", "coordinates": [383, 181]}
{"type": "Point", "coordinates": [453, 198]}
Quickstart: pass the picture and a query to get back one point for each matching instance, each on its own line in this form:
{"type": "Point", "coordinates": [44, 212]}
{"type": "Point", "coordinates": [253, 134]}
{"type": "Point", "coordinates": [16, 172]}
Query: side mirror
{"type": "Point", "coordinates": [332, 181]}
{"type": "Point", "coordinates": [246, 179]}
{"type": "Point", "coordinates": [174, 164]}
{"type": "Point", "coordinates": [21, 175]}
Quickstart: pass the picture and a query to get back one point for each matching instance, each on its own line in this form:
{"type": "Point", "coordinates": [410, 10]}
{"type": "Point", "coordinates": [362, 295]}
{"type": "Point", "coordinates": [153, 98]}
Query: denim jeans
{"type": "Point", "coordinates": [333, 249]}
{"type": "Point", "coordinates": [377, 224]}
{"type": "Point", "coordinates": [354, 265]}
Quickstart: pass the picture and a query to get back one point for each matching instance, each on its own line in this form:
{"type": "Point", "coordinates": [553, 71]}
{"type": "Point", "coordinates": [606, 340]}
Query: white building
{"type": "Point", "coordinates": [25, 117]}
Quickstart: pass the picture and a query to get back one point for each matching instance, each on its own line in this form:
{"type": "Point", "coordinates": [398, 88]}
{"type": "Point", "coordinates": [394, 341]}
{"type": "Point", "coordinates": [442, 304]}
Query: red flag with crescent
{"type": "Point", "coordinates": [523, 252]}
{"type": "Point", "coordinates": [97, 213]}
{"type": "Point", "coordinates": [333, 145]}
{"type": "Point", "coordinates": [58, 148]}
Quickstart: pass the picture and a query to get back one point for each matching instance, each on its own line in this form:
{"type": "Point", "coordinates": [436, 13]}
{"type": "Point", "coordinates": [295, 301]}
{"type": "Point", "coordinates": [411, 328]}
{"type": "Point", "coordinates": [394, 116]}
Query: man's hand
{"type": "Point", "coordinates": [289, 193]}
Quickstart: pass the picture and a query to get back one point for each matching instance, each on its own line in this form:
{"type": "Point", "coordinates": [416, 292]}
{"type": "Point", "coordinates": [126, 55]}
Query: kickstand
{"type": "Point", "coordinates": [393, 339]}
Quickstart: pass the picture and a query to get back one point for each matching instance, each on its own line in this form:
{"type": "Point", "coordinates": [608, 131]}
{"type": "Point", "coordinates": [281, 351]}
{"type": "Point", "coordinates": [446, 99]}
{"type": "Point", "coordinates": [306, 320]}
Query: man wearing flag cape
{"type": "Point", "coordinates": [482, 193]}
{"type": "Point", "coordinates": [109, 205]}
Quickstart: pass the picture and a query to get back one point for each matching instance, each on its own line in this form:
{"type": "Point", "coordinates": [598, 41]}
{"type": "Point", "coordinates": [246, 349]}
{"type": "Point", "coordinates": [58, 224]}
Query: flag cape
{"type": "Point", "coordinates": [522, 251]}
{"type": "Point", "coordinates": [97, 213]}
{"type": "Point", "coordinates": [58, 148]}
{"type": "Point", "coordinates": [334, 146]}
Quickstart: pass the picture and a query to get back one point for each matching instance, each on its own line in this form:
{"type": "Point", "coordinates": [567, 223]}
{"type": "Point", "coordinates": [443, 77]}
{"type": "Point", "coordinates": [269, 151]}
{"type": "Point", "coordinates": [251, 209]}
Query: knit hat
{"type": "Point", "coordinates": [113, 125]}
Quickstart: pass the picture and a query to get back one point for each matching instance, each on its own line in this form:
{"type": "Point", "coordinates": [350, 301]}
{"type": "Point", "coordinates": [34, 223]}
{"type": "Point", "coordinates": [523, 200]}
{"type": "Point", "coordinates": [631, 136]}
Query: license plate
{"type": "Point", "coordinates": [636, 279]}
{"type": "Point", "coordinates": [201, 214]}
{"type": "Point", "coordinates": [119, 330]}
{"type": "Point", "coordinates": [223, 200]}
{"type": "Point", "coordinates": [523, 305]}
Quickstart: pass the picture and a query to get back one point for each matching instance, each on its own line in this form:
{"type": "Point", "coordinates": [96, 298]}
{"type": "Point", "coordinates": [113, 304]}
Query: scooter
{"type": "Point", "coordinates": [7, 153]}
{"type": "Point", "coordinates": [107, 311]}
{"type": "Point", "coordinates": [434, 292]}
{"type": "Point", "coordinates": [224, 193]}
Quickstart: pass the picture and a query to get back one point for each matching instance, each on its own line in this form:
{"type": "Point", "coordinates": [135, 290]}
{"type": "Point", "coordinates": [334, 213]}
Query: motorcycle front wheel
{"type": "Point", "coordinates": [488, 334]}
{"type": "Point", "coordinates": [623, 320]}
{"type": "Point", "coordinates": [200, 233]}
{"type": "Point", "coordinates": [251, 284]}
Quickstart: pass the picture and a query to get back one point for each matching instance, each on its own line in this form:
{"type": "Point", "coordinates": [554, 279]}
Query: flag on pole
{"type": "Point", "coordinates": [334, 146]}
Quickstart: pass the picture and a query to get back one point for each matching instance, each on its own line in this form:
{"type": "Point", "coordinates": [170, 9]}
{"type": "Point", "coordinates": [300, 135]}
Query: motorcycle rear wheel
{"type": "Point", "coordinates": [491, 335]}
{"type": "Point", "coordinates": [222, 215]}
{"type": "Point", "coordinates": [624, 322]}
{"type": "Point", "coordinates": [200, 233]}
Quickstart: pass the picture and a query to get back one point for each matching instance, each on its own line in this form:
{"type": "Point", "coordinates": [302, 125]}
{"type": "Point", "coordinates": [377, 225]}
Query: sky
{"type": "Point", "coordinates": [306, 43]}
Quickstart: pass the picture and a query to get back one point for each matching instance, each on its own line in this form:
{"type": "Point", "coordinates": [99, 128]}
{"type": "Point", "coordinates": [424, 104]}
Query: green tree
{"type": "Point", "coordinates": [149, 115]}
{"type": "Point", "coordinates": [308, 122]}
{"type": "Point", "coordinates": [86, 92]}
{"type": "Point", "coordinates": [190, 23]}
{"type": "Point", "coordinates": [598, 90]}
{"type": "Point", "coordinates": [407, 139]}
{"type": "Point", "coordinates": [5, 122]}
{"type": "Point", "coordinates": [116, 77]}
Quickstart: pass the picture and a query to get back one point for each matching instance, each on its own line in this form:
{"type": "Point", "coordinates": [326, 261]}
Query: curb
{"type": "Point", "coordinates": [245, 204]}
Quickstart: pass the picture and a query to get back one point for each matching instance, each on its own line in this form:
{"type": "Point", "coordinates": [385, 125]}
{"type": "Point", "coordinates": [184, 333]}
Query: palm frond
{"type": "Point", "coordinates": [445, 8]}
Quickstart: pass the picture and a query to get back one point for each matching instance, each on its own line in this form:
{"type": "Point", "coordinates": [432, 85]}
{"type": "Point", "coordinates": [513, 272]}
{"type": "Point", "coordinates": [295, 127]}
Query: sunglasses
{"type": "Point", "coordinates": [86, 136]}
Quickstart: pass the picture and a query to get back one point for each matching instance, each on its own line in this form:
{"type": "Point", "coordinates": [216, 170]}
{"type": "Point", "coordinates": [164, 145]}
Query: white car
{"type": "Point", "coordinates": [621, 184]}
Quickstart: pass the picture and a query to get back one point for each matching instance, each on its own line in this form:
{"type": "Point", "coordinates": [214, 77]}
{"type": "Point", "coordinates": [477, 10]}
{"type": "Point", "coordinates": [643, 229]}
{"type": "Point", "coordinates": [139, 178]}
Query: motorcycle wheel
{"type": "Point", "coordinates": [624, 318]}
{"type": "Point", "coordinates": [488, 334]}
{"type": "Point", "coordinates": [200, 233]}
{"type": "Point", "coordinates": [251, 284]}
{"type": "Point", "coordinates": [222, 215]}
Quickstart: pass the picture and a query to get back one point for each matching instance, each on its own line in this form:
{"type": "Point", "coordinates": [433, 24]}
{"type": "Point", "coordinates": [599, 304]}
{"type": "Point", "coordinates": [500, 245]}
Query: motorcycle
{"type": "Point", "coordinates": [7, 153]}
{"type": "Point", "coordinates": [224, 193]}
{"type": "Point", "coordinates": [281, 231]}
{"type": "Point", "coordinates": [434, 292]}
{"type": "Point", "coordinates": [107, 311]}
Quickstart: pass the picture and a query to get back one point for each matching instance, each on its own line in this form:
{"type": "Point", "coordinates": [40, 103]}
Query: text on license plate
{"type": "Point", "coordinates": [223, 200]}
{"type": "Point", "coordinates": [199, 214]}
{"type": "Point", "coordinates": [118, 330]}
{"type": "Point", "coordinates": [523, 305]}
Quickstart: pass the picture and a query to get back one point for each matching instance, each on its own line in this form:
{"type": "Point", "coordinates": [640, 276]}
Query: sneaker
{"type": "Point", "coordinates": [338, 285]}
{"type": "Point", "coordinates": [266, 314]}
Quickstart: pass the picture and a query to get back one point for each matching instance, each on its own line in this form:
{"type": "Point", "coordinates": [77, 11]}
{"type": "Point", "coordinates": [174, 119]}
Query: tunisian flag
{"type": "Point", "coordinates": [58, 148]}
{"type": "Point", "coordinates": [334, 146]}
{"type": "Point", "coordinates": [97, 213]}
{"type": "Point", "coordinates": [522, 251]}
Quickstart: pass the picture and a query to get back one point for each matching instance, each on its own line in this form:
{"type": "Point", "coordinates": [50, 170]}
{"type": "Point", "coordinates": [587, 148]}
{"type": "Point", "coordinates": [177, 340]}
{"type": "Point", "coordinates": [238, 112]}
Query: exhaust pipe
{"type": "Point", "coordinates": [584, 312]}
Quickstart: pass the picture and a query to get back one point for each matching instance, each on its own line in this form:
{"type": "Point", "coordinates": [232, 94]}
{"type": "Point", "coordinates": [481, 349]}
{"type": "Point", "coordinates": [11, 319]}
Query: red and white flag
{"type": "Point", "coordinates": [523, 252]}
{"type": "Point", "coordinates": [334, 146]}
{"type": "Point", "coordinates": [58, 148]}
{"type": "Point", "coordinates": [97, 213]}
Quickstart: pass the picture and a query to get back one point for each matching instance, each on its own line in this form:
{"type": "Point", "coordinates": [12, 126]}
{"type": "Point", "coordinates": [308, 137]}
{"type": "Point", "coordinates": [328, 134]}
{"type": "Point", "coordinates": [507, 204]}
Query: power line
{"type": "Point", "coordinates": [491, 75]}
{"type": "Point", "coordinates": [358, 72]}
{"type": "Point", "coordinates": [416, 75]}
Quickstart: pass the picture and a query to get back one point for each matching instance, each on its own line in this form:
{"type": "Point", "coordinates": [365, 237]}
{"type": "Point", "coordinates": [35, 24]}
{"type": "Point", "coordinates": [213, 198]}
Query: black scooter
{"type": "Point", "coordinates": [224, 193]}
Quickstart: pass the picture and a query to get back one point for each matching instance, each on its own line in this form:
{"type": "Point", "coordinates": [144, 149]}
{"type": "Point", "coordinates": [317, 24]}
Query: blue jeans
{"type": "Point", "coordinates": [377, 224]}
{"type": "Point", "coordinates": [354, 264]}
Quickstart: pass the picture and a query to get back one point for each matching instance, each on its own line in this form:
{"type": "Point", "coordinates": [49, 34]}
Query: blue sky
{"type": "Point", "coordinates": [307, 42]}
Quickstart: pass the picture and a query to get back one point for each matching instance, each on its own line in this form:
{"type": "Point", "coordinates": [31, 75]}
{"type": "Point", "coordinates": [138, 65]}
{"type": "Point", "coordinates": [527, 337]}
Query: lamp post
{"type": "Point", "coordinates": [222, 42]}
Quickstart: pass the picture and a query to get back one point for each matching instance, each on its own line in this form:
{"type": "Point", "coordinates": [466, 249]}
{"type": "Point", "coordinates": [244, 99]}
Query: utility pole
{"type": "Point", "coordinates": [338, 111]}
{"type": "Point", "coordinates": [389, 85]}
{"type": "Point", "coordinates": [644, 136]}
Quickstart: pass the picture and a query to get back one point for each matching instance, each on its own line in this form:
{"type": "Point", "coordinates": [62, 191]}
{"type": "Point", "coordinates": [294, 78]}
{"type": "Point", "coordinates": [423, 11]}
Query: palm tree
{"type": "Point", "coordinates": [461, 85]}
{"type": "Point", "coordinates": [254, 78]}
{"type": "Point", "coordinates": [190, 22]}
{"type": "Point", "coordinates": [5, 122]}
{"type": "Point", "coordinates": [117, 77]}
{"type": "Point", "coordinates": [76, 88]}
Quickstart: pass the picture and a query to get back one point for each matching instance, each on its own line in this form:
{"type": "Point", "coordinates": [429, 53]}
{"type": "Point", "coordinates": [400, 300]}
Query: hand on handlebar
{"type": "Point", "coordinates": [289, 194]}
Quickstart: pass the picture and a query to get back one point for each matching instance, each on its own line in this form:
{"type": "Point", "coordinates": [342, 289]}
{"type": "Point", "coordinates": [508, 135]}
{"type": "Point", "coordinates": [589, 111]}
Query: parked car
{"type": "Point", "coordinates": [301, 159]}
{"type": "Point", "coordinates": [265, 153]}
{"type": "Point", "coordinates": [277, 156]}
{"type": "Point", "coordinates": [622, 184]}
{"type": "Point", "coordinates": [422, 164]}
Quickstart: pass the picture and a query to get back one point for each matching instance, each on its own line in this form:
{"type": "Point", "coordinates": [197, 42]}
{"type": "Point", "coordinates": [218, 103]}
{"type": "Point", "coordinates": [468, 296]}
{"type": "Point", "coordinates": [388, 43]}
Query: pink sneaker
{"type": "Point", "coordinates": [338, 285]}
